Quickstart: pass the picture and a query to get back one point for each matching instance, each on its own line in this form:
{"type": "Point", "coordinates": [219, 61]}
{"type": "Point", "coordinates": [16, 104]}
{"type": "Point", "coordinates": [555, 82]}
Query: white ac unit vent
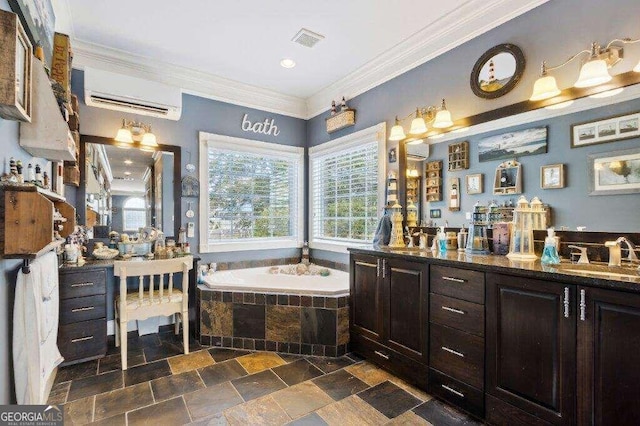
{"type": "Point", "coordinates": [307, 38]}
{"type": "Point", "coordinates": [104, 89]}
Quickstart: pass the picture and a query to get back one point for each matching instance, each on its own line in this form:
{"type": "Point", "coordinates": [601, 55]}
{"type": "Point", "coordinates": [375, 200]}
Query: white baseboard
{"type": "Point", "coordinates": [133, 325]}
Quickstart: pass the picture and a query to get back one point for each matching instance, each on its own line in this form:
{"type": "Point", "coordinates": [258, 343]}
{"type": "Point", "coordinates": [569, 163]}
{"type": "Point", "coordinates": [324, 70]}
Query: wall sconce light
{"type": "Point", "coordinates": [593, 72]}
{"type": "Point", "coordinates": [135, 131]}
{"type": "Point", "coordinates": [439, 116]}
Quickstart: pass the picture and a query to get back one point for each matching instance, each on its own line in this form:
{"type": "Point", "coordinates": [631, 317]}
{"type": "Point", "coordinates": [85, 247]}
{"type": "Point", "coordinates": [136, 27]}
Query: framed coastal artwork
{"type": "Point", "coordinates": [552, 176]}
{"type": "Point", "coordinates": [613, 173]}
{"type": "Point", "coordinates": [606, 130]}
{"type": "Point", "coordinates": [474, 184]}
{"type": "Point", "coordinates": [513, 144]}
{"type": "Point", "coordinates": [38, 20]}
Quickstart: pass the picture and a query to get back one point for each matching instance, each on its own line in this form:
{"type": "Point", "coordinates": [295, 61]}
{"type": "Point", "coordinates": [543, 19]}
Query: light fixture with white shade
{"type": "Point", "coordinates": [593, 72]}
{"type": "Point", "coordinates": [133, 131]}
{"type": "Point", "coordinates": [397, 132]}
{"type": "Point", "coordinates": [440, 118]}
{"type": "Point", "coordinates": [637, 67]}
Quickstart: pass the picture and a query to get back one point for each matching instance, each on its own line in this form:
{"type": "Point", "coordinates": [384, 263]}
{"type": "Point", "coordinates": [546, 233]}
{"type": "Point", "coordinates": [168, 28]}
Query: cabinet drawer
{"type": "Point", "coordinates": [83, 309]}
{"type": "Point", "coordinates": [82, 283]}
{"type": "Point", "coordinates": [459, 283]}
{"type": "Point", "coordinates": [456, 313]}
{"type": "Point", "coordinates": [457, 393]}
{"type": "Point", "coordinates": [458, 354]}
{"type": "Point", "coordinates": [404, 367]}
{"type": "Point", "coordinates": [82, 340]}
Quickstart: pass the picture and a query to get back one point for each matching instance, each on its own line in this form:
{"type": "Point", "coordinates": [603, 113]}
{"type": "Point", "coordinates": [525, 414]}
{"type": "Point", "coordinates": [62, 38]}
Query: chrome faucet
{"type": "Point", "coordinates": [615, 251]}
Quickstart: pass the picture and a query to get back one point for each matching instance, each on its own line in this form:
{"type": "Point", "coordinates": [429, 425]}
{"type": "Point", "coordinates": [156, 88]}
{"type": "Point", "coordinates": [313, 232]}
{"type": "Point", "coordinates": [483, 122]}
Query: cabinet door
{"type": "Point", "coordinates": [366, 310]}
{"type": "Point", "coordinates": [406, 306]}
{"type": "Point", "coordinates": [608, 358]}
{"type": "Point", "coordinates": [531, 346]}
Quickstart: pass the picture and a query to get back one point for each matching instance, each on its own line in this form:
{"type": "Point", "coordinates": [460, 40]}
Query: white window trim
{"type": "Point", "coordinates": [207, 140]}
{"type": "Point", "coordinates": [377, 132]}
{"type": "Point", "coordinates": [137, 209]}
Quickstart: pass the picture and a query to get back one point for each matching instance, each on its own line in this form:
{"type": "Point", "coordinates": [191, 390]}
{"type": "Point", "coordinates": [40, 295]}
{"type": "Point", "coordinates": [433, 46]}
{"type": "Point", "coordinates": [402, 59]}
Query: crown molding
{"type": "Point", "coordinates": [465, 23]}
{"type": "Point", "coordinates": [191, 81]}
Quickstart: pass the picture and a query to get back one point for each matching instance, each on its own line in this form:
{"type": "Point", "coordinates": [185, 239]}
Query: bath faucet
{"type": "Point", "coordinates": [584, 258]}
{"type": "Point", "coordinates": [615, 251]}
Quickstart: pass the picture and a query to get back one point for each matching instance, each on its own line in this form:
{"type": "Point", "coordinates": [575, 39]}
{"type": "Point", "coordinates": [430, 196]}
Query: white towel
{"type": "Point", "coordinates": [35, 329]}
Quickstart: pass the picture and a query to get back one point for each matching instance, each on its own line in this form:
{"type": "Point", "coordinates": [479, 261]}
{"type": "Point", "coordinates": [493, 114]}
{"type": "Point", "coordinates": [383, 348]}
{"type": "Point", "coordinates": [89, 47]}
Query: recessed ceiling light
{"type": "Point", "coordinates": [288, 63]}
{"type": "Point", "coordinates": [127, 173]}
{"type": "Point", "coordinates": [128, 162]}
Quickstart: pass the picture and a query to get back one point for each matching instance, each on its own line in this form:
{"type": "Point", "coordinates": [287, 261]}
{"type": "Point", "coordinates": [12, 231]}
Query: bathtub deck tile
{"type": "Point", "coordinates": [260, 344]}
{"type": "Point", "coordinates": [238, 297]}
{"type": "Point", "coordinates": [306, 301]}
{"type": "Point", "coordinates": [283, 299]}
{"type": "Point", "coordinates": [283, 324]}
{"type": "Point", "coordinates": [318, 302]}
{"type": "Point", "coordinates": [260, 299]}
{"type": "Point", "coordinates": [272, 299]}
{"type": "Point", "coordinates": [294, 300]}
{"type": "Point", "coordinates": [331, 302]}
{"type": "Point", "coordinates": [249, 298]}
{"type": "Point", "coordinates": [270, 345]}
{"type": "Point", "coordinates": [227, 296]}
{"type": "Point", "coordinates": [306, 349]}
{"type": "Point", "coordinates": [216, 296]}
{"type": "Point", "coordinates": [248, 321]}
{"type": "Point", "coordinates": [319, 326]}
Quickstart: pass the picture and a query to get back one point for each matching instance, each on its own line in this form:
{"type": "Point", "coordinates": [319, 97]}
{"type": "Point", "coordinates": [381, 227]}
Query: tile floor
{"type": "Point", "coordinates": [213, 386]}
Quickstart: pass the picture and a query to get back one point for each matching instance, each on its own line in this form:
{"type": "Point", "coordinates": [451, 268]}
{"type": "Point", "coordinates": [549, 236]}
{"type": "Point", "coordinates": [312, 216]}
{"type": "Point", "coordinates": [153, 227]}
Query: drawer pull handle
{"type": "Point", "coordinates": [566, 302]}
{"type": "Point", "coordinates": [385, 356]}
{"type": "Point", "coordinates": [456, 311]}
{"type": "Point", "coordinates": [82, 285]}
{"type": "Point", "coordinates": [81, 339]}
{"type": "Point", "coordinates": [455, 280]}
{"type": "Point", "coordinates": [88, 308]}
{"type": "Point", "coordinates": [453, 391]}
{"type": "Point", "coordinates": [451, 351]}
{"type": "Point", "coordinates": [583, 305]}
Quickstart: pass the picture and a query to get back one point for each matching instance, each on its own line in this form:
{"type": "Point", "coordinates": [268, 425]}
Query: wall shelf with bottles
{"type": "Point", "coordinates": [29, 222]}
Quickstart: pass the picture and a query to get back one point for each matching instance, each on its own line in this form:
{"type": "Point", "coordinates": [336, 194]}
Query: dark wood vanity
{"type": "Point", "coordinates": [511, 343]}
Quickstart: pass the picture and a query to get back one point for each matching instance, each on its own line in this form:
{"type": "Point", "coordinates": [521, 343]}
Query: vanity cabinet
{"type": "Point", "coordinates": [456, 336]}
{"type": "Point", "coordinates": [389, 313]}
{"type": "Point", "coordinates": [608, 357]}
{"type": "Point", "coordinates": [531, 351]}
{"type": "Point", "coordinates": [82, 330]}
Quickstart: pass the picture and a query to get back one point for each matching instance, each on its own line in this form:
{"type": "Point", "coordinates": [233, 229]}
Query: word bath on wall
{"type": "Point", "coordinates": [266, 127]}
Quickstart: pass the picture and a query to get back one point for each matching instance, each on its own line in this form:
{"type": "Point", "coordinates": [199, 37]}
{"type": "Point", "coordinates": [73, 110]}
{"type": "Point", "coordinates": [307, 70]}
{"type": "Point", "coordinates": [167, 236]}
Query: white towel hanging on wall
{"type": "Point", "coordinates": [35, 329]}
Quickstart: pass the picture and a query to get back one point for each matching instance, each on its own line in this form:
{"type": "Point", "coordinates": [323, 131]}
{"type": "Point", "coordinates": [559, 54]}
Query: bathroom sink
{"type": "Point", "coordinates": [603, 271]}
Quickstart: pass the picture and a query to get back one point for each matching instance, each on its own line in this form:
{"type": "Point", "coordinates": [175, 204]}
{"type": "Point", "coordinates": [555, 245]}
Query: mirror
{"type": "Point", "coordinates": [127, 188]}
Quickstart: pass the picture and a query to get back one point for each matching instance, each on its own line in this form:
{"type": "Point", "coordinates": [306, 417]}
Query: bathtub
{"type": "Point", "coordinates": [259, 280]}
{"type": "Point", "coordinates": [256, 310]}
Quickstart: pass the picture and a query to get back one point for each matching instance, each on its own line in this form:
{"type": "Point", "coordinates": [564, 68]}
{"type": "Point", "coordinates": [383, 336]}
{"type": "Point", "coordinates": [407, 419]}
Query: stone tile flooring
{"type": "Point", "coordinates": [214, 386]}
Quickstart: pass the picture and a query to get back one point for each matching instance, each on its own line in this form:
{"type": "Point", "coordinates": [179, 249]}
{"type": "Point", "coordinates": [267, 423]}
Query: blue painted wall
{"type": "Point", "coordinates": [553, 31]}
{"type": "Point", "coordinates": [198, 114]}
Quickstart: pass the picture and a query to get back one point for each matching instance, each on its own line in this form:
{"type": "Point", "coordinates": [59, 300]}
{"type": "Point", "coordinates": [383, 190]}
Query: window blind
{"type": "Point", "coordinates": [344, 192]}
{"type": "Point", "coordinates": [251, 195]}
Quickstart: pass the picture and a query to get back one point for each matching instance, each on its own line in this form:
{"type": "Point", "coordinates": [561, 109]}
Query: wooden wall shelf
{"type": "Point", "coordinates": [458, 156]}
{"type": "Point", "coordinates": [27, 222]}
{"type": "Point", "coordinates": [433, 185]}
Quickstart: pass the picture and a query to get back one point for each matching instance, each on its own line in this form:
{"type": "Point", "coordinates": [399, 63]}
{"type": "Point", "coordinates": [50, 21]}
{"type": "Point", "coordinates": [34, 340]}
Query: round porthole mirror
{"type": "Point", "coordinates": [498, 71]}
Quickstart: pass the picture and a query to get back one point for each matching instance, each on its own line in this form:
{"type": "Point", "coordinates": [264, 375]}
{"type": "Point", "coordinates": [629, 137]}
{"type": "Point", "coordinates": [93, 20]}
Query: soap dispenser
{"type": "Point", "coordinates": [442, 240]}
{"type": "Point", "coordinates": [550, 252]}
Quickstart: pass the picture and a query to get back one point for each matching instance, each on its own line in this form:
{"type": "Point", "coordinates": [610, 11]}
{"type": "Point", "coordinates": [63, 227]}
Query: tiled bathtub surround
{"type": "Point", "coordinates": [296, 324]}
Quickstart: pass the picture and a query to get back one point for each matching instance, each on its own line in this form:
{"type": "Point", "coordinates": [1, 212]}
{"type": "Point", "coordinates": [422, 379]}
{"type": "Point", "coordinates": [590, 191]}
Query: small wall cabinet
{"type": "Point", "coordinates": [459, 156]}
{"type": "Point", "coordinates": [433, 184]}
{"type": "Point", "coordinates": [508, 179]}
{"type": "Point", "coordinates": [27, 223]}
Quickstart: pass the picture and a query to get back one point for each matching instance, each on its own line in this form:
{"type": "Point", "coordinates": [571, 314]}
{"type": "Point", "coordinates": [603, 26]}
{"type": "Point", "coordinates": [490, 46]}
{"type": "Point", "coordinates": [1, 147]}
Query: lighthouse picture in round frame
{"type": "Point", "coordinates": [497, 71]}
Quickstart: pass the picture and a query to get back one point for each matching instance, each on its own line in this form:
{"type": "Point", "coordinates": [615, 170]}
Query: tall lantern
{"type": "Point", "coordinates": [521, 241]}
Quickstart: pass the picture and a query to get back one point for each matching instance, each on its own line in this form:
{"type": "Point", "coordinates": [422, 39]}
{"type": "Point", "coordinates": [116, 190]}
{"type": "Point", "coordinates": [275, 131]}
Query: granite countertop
{"type": "Point", "coordinates": [92, 263]}
{"type": "Point", "coordinates": [593, 275]}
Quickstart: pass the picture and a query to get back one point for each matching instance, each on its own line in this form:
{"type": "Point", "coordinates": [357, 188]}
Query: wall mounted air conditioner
{"type": "Point", "coordinates": [104, 89]}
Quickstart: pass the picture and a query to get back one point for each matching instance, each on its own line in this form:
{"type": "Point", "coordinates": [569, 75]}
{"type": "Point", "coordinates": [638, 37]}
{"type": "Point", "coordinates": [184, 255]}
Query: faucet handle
{"type": "Point", "coordinates": [584, 258]}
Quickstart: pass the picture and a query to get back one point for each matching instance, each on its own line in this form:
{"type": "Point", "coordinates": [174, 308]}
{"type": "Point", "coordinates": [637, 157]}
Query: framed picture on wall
{"type": "Point", "coordinates": [39, 21]}
{"type": "Point", "coordinates": [607, 130]}
{"type": "Point", "coordinates": [393, 157]}
{"type": "Point", "coordinates": [474, 183]}
{"type": "Point", "coordinates": [552, 176]}
{"type": "Point", "coordinates": [613, 173]}
{"type": "Point", "coordinates": [435, 213]}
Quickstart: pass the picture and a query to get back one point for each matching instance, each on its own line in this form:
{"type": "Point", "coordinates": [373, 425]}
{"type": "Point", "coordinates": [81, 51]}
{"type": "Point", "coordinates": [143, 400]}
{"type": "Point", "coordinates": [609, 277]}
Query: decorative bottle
{"type": "Point", "coordinates": [550, 252]}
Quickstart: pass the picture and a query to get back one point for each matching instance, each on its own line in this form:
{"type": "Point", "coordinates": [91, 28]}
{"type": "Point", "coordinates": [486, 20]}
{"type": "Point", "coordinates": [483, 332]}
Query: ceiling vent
{"type": "Point", "coordinates": [307, 38]}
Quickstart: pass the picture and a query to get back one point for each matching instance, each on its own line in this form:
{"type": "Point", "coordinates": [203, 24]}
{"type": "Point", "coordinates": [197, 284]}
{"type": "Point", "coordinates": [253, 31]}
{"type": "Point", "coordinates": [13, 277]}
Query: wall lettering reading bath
{"type": "Point", "coordinates": [267, 127]}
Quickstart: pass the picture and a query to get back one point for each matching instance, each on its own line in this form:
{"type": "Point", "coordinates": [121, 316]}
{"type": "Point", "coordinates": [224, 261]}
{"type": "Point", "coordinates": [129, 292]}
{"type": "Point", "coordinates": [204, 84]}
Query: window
{"type": "Point", "coordinates": [254, 194]}
{"type": "Point", "coordinates": [134, 214]}
{"type": "Point", "coordinates": [347, 189]}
